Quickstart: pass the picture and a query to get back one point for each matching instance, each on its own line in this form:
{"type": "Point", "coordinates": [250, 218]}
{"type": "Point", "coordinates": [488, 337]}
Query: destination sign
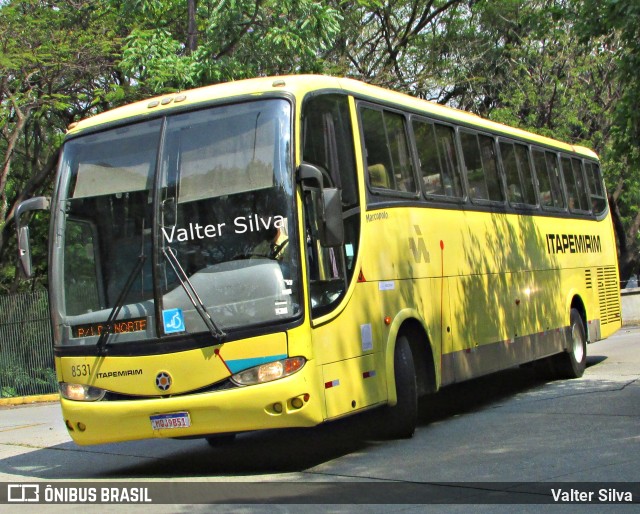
{"type": "Point", "coordinates": [119, 327]}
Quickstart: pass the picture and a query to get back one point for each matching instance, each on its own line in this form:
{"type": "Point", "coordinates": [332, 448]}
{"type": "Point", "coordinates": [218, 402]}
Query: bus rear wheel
{"type": "Point", "coordinates": [573, 362]}
{"type": "Point", "coordinates": [400, 420]}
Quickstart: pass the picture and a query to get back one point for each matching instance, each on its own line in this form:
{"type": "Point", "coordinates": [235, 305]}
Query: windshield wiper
{"type": "Point", "coordinates": [217, 333]}
{"type": "Point", "coordinates": [104, 335]}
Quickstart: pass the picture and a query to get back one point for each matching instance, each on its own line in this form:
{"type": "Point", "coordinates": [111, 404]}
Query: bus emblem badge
{"type": "Point", "coordinates": [419, 248]}
{"type": "Point", "coordinates": [163, 380]}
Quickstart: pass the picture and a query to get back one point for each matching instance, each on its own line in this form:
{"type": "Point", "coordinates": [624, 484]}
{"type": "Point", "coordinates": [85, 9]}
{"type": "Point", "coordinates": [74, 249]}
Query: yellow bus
{"type": "Point", "coordinates": [282, 252]}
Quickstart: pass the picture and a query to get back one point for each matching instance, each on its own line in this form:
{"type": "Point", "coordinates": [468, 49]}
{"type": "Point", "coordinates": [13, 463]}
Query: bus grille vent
{"type": "Point", "coordinates": [587, 279]}
{"type": "Point", "coordinates": [609, 295]}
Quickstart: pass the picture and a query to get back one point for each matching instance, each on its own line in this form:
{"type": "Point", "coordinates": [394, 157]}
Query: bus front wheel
{"type": "Point", "coordinates": [400, 420]}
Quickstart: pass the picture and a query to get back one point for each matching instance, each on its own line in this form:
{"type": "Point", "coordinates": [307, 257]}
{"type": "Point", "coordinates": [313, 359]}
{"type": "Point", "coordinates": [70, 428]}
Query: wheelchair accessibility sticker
{"type": "Point", "coordinates": [173, 320]}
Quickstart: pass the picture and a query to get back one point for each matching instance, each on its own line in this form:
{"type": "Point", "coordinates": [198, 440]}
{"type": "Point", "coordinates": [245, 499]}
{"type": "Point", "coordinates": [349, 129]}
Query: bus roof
{"type": "Point", "coordinates": [299, 86]}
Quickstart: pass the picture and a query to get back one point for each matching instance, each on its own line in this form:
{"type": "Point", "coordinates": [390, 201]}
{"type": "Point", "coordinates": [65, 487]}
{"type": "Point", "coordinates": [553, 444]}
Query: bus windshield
{"type": "Point", "coordinates": [161, 219]}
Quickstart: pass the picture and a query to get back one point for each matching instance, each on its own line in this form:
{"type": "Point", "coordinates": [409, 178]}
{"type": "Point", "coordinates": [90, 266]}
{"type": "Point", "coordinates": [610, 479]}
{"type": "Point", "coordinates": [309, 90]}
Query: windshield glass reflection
{"type": "Point", "coordinates": [225, 210]}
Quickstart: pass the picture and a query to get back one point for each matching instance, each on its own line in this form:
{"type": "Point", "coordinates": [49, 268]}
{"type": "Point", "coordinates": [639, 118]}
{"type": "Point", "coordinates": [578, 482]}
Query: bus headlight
{"type": "Point", "coordinates": [269, 371]}
{"type": "Point", "coordinates": [81, 392]}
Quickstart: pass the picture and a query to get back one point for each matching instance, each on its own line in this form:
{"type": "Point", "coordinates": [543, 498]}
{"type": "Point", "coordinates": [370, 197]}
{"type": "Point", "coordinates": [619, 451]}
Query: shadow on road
{"type": "Point", "coordinates": [484, 391]}
{"type": "Point", "coordinates": [260, 453]}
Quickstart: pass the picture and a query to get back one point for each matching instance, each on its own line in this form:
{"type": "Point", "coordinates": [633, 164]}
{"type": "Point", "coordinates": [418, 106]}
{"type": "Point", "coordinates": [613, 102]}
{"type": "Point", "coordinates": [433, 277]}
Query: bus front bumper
{"type": "Point", "coordinates": [289, 402]}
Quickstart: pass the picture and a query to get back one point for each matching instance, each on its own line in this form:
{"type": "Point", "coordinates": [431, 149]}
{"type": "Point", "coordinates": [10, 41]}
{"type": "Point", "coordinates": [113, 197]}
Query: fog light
{"type": "Point", "coordinates": [296, 403]}
{"type": "Point", "coordinates": [277, 407]}
{"type": "Point", "coordinates": [81, 426]}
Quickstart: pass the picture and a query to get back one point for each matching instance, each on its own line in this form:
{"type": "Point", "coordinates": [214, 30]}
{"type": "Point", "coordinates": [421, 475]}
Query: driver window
{"type": "Point", "coordinates": [328, 143]}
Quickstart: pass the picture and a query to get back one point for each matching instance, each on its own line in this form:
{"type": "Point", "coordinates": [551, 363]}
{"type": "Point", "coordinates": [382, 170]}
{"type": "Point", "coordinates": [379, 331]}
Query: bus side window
{"type": "Point", "coordinates": [490, 168]}
{"type": "Point", "coordinates": [514, 186]}
{"type": "Point", "coordinates": [375, 143]}
{"type": "Point", "coordinates": [473, 164]}
{"type": "Point", "coordinates": [479, 154]}
{"type": "Point", "coordinates": [399, 149]}
{"type": "Point", "coordinates": [517, 168]}
{"type": "Point", "coordinates": [581, 184]}
{"type": "Point", "coordinates": [437, 159]}
{"type": "Point", "coordinates": [570, 184]}
{"type": "Point", "coordinates": [543, 178]}
{"type": "Point", "coordinates": [572, 174]}
{"type": "Point", "coordinates": [596, 188]}
{"type": "Point", "coordinates": [554, 180]}
{"type": "Point", "coordinates": [546, 164]}
{"type": "Point", "coordinates": [446, 139]}
{"type": "Point", "coordinates": [387, 150]}
{"type": "Point", "coordinates": [524, 164]}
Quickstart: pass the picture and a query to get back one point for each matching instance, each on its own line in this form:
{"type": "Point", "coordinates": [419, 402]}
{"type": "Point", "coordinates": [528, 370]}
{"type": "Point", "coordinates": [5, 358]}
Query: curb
{"type": "Point", "coordinates": [23, 400]}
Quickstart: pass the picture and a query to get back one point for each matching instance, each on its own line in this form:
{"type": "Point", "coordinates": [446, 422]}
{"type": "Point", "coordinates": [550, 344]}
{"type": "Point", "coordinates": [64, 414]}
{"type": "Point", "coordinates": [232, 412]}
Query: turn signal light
{"type": "Point", "coordinates": [269, 372]}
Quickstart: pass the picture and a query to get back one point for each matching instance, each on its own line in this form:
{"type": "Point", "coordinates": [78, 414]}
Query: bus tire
{"type": "Point", "coordinates": [572, 363]}
{"type": "Point", "coordinates": [400, 420]}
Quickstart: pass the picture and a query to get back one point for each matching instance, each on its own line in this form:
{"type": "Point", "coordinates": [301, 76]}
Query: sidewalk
{"type": "Point", "coordinates": [23, 400]}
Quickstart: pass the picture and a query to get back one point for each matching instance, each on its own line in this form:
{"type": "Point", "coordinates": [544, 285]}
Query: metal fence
{"type": "Point", "coordinates": [26, 350]}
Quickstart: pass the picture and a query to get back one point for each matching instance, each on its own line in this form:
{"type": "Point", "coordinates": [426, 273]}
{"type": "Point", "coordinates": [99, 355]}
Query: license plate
{"type": "Point", "coordinates": [167, 421]}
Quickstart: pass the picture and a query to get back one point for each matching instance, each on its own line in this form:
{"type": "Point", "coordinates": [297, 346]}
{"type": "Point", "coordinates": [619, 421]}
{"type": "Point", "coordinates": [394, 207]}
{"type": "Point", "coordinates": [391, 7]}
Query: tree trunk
{"type": "Point", "coordinates": [627, 250]}
{"type": "Point", "coordinates": [192, 26]}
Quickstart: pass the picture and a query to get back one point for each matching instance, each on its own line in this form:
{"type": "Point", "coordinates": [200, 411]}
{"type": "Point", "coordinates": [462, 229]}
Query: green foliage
{"type": "Point", "coordinates": [543, 80]}
{"type": "Point", "coordinates": [153, 58]}
{"type": "Point", "coordinates": [616, 25]}
{"type": "Point", "coordinates": [235, 39]}
{"type": "Point", "coordinates": [569, 69]}
{"type": "Point", "coordinates": [54, 57]}
{"type": "Point", "coordinates": [8, 392]}
{"type": "Point", "coordinates": [26, 355]}
{"type": "Point", "coordinates": [26, 381]}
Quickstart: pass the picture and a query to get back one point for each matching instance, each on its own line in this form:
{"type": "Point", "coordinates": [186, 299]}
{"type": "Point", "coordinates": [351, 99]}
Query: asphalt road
{"type": "Point", "coordinates": [510, 427]}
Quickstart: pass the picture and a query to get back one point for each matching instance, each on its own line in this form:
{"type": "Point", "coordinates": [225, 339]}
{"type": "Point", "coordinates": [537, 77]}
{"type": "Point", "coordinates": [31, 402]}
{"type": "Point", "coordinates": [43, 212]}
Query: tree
{"type": "Point", "coordinates": [616, 23]}
{"type": "Point", "coordinates": [174, 46]}
{"type": "Point", "coordinates": [65, 60]}
{"type": "Point", "coordinates": [516, 61]}
{"type": "Point", "coordinates": [56, 57]}
{"type": "Point", "coordinates": [394, 43]}
{"type": "Point", "coordinates": [521, 63]}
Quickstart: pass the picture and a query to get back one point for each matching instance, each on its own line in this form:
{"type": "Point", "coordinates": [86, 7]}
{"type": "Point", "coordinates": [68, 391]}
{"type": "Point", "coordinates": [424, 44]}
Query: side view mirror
{"type": "Point", "coordinates": [332, 228]}
{"type": "Point", "coordinates": [38, 203]}
{"type": "Point", "coordinates": [329, 204]}
{"type": "Point", "coordinates": [24, 251]}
